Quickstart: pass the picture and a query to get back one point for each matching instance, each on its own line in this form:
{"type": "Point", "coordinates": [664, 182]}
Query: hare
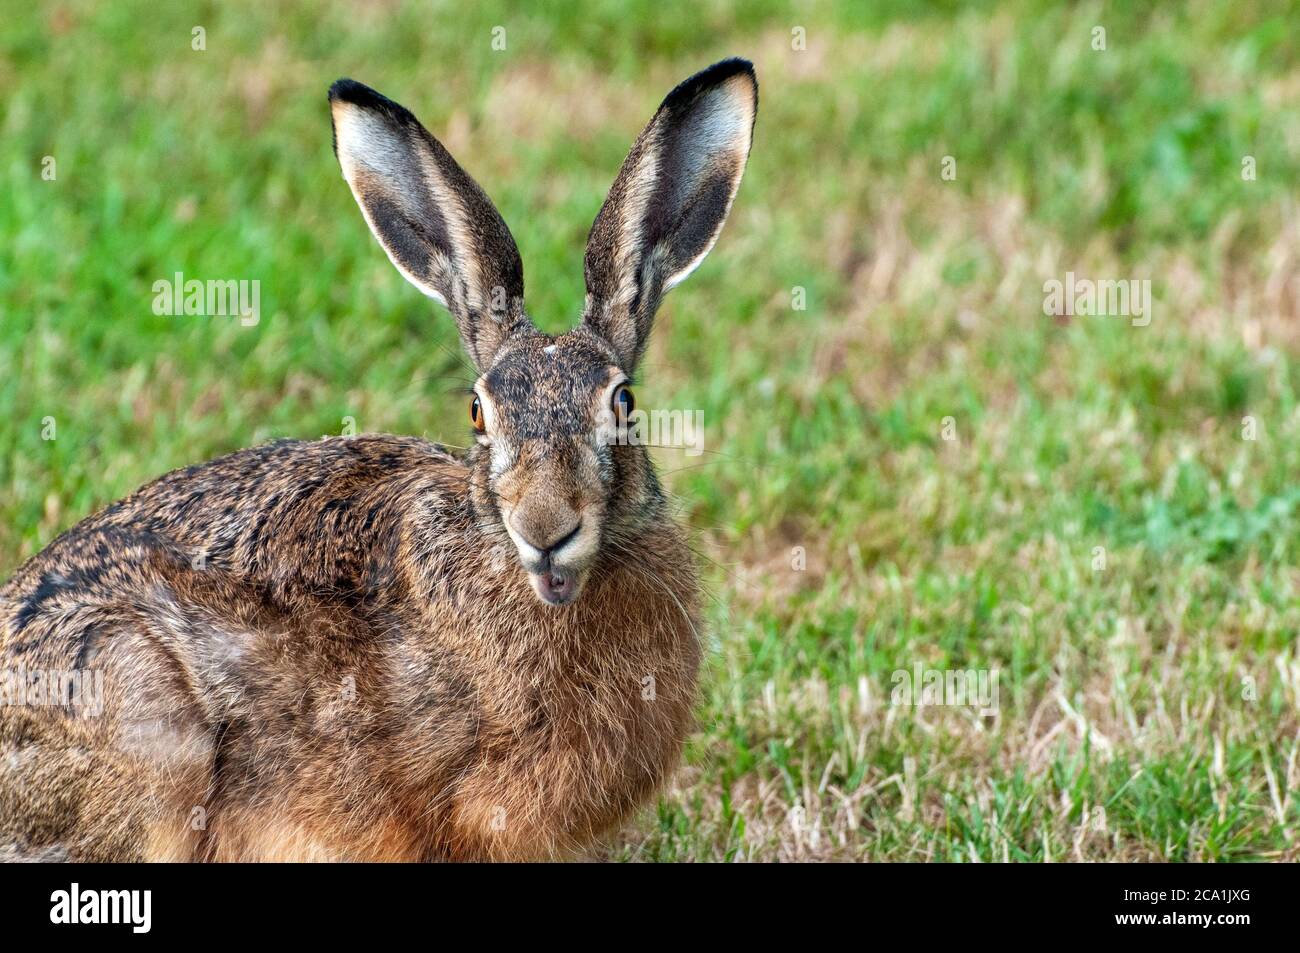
{"type": "Point", "coordinates": [372, 647]}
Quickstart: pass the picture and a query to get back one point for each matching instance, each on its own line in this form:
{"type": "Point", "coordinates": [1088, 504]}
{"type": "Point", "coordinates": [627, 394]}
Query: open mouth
{"type": "Point", "coordinates": [555, 587]}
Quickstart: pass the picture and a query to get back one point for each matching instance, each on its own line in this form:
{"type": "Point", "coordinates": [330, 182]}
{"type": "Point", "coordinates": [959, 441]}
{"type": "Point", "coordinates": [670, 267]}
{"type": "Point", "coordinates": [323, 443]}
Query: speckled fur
{"type": "Point", "coordinates": [328, 650]}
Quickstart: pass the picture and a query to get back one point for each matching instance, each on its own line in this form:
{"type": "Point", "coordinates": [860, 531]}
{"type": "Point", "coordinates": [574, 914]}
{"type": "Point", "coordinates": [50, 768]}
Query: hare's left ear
{"type": "Point", "coordinates": [667, 206]}
{"type": "Point", "coordinates": [438, 227]}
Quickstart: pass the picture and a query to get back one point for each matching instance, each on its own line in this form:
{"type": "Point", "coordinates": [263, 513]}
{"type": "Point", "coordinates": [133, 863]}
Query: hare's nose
{"type": "Point", "coordinates": [546, 535]}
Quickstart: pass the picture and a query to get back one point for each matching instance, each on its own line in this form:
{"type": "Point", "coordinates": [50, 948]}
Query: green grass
{"type": "Point", "coordinates": [1147, 710]}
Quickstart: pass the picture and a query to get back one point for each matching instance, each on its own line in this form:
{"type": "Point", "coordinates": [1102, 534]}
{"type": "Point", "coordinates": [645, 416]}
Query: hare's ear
{"type": "Point", "coordinates": [438, 227]}
{"type": "Point", "coordinates": [667, 206]}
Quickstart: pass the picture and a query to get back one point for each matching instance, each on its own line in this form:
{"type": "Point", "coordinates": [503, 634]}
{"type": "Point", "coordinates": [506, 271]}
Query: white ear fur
{"type": "Point", "coordinates": [436, 225]}
{"type": "Point", "coordinates": [668, 205]}
{"type": "Point", "coordinates": [366, 147]}
{"type": "Point", "coordinates": [722, 124]}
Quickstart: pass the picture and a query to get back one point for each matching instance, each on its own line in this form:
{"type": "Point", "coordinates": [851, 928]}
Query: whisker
{"type": "Point", "coordinates": [748, 461]}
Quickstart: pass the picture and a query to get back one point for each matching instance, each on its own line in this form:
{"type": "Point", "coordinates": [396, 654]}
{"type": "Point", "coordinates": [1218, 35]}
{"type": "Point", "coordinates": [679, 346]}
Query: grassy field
{"type": "Point", "coordinates": [917, 467]}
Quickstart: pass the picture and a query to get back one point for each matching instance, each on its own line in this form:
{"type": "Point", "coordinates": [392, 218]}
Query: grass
{"type": "Point", "coordinates": [1098, 530]}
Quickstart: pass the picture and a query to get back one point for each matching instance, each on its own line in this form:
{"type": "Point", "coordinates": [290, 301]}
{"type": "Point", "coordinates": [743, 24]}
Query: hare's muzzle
{"type": "Point", "coordinates": [555, 546]}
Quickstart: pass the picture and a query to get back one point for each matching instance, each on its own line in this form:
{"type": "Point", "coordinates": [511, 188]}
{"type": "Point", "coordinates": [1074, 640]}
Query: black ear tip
{"type": "Point", "coordinates": [731, 66]}
{"type": "Point", "coordinates": [710, 77]}
{"type": "Point", "coordinates": [360, 95]}
{"type": "Point", "coordinates": [348, 90]}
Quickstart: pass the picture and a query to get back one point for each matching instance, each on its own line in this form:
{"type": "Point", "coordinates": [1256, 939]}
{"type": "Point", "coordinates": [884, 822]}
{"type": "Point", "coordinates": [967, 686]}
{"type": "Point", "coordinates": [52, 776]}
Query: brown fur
{"type": "Point", "coordinates": [485, 724]}
{"type": "Point", "coordinates": [371, 648]}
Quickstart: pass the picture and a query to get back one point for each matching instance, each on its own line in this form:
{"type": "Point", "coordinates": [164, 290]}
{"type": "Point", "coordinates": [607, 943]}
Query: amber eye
{"type": "Point", "coordinates": [476, 414]}
{"type": "Point", "coordinates": [623, 402]}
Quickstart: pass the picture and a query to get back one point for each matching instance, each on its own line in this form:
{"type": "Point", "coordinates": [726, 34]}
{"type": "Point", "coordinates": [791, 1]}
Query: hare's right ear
{"type": "Point", "coordinates": [667, 206]}
{"type": "Point", "coordinates": [438, 227]}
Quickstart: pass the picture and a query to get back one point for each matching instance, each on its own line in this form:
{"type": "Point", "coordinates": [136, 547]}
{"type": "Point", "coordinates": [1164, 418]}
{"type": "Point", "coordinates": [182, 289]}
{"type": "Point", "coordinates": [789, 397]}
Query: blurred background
{"type": "Point", "coordinates": [908, 463]}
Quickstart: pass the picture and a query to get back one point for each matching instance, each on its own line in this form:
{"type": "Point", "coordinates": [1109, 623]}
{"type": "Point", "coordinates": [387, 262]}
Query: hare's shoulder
{"type": "Point", "coordinates": [242, 503]}
{"type": "Point", "coordinates": [270, 467]}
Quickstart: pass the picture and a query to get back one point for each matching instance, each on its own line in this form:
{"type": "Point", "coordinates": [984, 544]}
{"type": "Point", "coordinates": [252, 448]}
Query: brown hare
{"type": "Point", "coordinates": [371, 647]}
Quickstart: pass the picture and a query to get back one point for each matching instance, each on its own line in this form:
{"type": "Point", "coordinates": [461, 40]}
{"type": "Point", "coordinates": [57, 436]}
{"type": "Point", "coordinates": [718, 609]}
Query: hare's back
{"type": "Point", "coordinates": [269, 512]}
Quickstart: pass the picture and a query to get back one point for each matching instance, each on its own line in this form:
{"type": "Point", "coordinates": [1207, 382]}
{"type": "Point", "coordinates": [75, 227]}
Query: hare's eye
{"type": "Point", "coordinates": [623, 402]}
{"type": "Point", "coordinates": [476, 414]}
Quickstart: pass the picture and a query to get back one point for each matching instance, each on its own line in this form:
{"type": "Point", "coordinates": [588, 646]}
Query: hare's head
{"type": "Point", "coordinates": [553, 467]}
